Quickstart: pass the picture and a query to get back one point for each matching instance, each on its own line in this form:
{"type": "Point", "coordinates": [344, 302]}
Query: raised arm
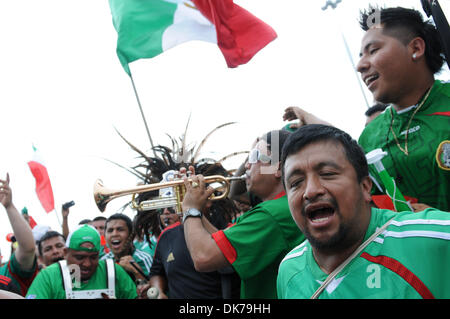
{"type": "Point", "coordinates": [65, 222]}
{"type": "Point", "coordinates": [294, 112]}
{"type": "Point", "coordinates": [26, 250]}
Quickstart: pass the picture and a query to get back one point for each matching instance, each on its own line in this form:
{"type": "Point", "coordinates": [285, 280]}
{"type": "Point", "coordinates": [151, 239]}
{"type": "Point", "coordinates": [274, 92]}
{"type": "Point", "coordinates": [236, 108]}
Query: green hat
{"type": "Point", "coordinates": [84, 233]}
{"type": "Point", "coordinates": [288, 128]}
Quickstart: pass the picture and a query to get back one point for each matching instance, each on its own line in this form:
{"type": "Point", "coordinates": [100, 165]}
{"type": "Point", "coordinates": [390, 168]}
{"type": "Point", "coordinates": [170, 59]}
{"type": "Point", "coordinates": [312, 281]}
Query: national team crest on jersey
{"type": "Point", "coordinates": [443, 155]}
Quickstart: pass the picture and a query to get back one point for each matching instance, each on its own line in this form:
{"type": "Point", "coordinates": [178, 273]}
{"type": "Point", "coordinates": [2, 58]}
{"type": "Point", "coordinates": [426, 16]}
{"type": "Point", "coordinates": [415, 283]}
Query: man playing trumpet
{"type": "Point", "coordinates": [258, 241]}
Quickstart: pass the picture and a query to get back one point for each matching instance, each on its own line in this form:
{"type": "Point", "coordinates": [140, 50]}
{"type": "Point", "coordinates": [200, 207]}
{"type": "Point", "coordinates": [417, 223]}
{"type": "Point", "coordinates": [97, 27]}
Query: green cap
{"type": "Point", "coordinates": [84, 234]}
{"type": "Point", "coordinates": [288, 128]}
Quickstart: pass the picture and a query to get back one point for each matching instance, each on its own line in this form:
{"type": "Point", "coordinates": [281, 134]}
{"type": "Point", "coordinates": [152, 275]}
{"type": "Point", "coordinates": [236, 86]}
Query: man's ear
{"type": "Point", "coordinates": [366, 186]}
{"type": "Point", "coordinates": [66, 250]}
{"type": "Point", "coordinates": [417, 48]}
{"type": "Point", "coordinates": [278, 171]}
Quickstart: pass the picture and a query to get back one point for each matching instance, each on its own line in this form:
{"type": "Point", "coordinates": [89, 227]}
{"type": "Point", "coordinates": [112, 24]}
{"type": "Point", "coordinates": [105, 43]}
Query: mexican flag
{"type": "Point", "coordinates": [43, 186]}
{"type": "Point", "coordinates": [147, 28]}
{"type": "Point", "coordinates": [30, 219]}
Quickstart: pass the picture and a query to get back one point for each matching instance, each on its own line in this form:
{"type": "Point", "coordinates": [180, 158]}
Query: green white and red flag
{"type": "Point", "coordinates": [147, 28]}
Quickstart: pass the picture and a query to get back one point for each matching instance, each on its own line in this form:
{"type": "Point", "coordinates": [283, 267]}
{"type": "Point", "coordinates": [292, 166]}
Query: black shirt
{"type": "Point", "coordinates": [173, 261]}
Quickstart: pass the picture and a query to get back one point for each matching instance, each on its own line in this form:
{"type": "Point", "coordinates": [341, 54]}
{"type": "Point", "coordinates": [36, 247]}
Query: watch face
{"type": "Point", "coordinates": [192, 212]}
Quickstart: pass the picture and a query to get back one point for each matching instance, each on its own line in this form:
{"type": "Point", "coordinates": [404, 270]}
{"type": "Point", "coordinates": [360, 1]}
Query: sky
{"type": "Point", "coordinates": [63, 90]}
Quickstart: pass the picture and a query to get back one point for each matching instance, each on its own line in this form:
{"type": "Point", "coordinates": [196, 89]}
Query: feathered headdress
{"type": "Point", "coordinates": [151, 169]}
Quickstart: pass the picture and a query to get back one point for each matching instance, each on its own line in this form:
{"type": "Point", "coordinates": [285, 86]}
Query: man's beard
{"type": "Point", "coordinates": [336, 242]}
{"type": "Point", "coordinates": [342, 239]}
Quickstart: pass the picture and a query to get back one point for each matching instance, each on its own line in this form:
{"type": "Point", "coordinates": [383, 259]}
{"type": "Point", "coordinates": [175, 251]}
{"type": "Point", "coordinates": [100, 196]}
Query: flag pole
{"type": "Point", "coordinates": [142, 114]}
{"type": "Point", "coordinates": [57, 217]}
{"type": "Point", "coordinates": [333, 5]}
{"type": "Point", "coordinates": [358, 79]}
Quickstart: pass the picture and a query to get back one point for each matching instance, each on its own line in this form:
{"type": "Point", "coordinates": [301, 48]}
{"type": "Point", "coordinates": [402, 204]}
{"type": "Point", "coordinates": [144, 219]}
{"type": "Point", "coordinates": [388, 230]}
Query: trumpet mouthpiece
{"type": "Point", "coordinates": [237, 178]}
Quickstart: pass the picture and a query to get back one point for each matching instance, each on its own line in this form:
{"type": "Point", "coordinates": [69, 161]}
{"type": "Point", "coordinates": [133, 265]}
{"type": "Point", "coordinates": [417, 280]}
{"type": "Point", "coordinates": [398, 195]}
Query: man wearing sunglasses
{"type": "Point", "coordinates": [168, 216]}
{"type": "Point", "coordinates": [173, 272]}
{"type": "Point", "coordinates": [256, 244]}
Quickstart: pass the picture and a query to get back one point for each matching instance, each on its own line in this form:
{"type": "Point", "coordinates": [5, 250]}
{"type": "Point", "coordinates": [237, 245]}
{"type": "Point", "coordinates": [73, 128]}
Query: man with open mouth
{"type": "Point", "coordinates": [400, 56]}
{"type": "Point", "coordinates": [354, 250]}
{"type": "Point", "coordinates": [119, 237]}
{"type": "Point", "coordinates": [257, 242]}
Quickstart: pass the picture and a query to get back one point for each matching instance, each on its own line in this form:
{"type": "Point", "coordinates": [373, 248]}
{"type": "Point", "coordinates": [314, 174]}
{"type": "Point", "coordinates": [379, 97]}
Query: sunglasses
{"type": "Point", "coordinates": [170, 209]}
{"type": "Point", "coordinates": [256, 156]}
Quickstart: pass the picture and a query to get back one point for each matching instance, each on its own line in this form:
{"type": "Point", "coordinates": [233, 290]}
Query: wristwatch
{"type": "Point", "coordinates": [191, 212]}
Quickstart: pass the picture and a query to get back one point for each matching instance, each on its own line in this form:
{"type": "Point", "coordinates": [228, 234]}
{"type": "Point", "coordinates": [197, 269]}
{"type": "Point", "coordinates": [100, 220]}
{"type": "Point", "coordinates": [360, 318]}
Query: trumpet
{"type": "Point", "coordinates": [103, 195]}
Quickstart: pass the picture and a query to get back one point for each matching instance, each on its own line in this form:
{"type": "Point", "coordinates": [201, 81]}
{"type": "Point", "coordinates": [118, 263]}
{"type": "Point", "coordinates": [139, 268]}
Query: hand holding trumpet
{"type": "Point", "coordinates": [197, 193]}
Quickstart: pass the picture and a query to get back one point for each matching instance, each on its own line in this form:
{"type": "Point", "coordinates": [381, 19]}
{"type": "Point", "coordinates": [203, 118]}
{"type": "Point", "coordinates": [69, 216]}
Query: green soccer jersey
{"type": "Point", "coordinates": [48, 284]}
{"type": "Point", "coordinates": [20, 277]}
{"type": "Point", "coordinates": [424, 173]}
{"type": "Point", "coordinates": [257, 243]}
{"type": "Point", "coordinates": [145, 246]}
{"type": "Point", "coordinates": [410, 259]}
{"type": "Point", "coordinates": [142, 258]}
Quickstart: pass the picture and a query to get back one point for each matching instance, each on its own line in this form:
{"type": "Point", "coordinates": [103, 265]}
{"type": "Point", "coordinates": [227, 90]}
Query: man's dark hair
{"type": "Point", "coordinates": [312, 133]}
{"type": "Point", "coordinates": [84, 221]}
{"type": "Point", "coordinates": [377, 107]}
{"type": "Point", "coordinates": [48, 235]}
{"type": "Point", "coordinates": [406, 24]}
{"type": "Point", "coordinates": [269, 137]}
{"type": "Point", "coordinates": [99, 218]}
{"type": "Point", "coordinates": [223, 211]}
{"type": "Point", "coordinates": [123, 217]}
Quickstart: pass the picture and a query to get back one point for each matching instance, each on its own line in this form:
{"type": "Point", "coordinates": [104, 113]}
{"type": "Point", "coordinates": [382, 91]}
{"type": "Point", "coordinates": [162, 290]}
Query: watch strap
{"type": "Point", "coordinates": [192, 212]}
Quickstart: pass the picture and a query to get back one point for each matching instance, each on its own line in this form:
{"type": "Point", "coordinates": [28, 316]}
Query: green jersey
{"type": "Point", "coordinates": [142, 258]}
{"type": "Point", "coordinates": [145, 246]}
{"type": "Point", "coordinates": [21, 278]}
{"type": "Point", "coordinates": [424, 173]}
{"type": "Point", "coordinates": [410, 259]}
{"type": "Point", "coordinates": [257, 243]}
{"type": "Point", "coordinates": [48, 284]}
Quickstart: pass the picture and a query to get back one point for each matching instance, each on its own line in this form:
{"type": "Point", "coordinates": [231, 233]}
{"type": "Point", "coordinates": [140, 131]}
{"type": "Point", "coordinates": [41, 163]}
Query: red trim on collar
{"type": "Point", "coordinates": [440, 113]}
{"type": "Point", "coordinates": [164, 230]}
{"type": "Point", "coordinates": [167, 228]}
{"type": "Point", "coordinates": [281, 194]}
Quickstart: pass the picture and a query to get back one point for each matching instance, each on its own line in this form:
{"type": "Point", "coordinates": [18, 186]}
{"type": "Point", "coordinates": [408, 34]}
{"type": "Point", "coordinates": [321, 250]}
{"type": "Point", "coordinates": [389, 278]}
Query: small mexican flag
{"type": "Point", "coordinates": [43, 186]}
{"type": "Point", "coordinates": [146, 28]}
{"type": "Point", "coordinates": [30, 219]}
